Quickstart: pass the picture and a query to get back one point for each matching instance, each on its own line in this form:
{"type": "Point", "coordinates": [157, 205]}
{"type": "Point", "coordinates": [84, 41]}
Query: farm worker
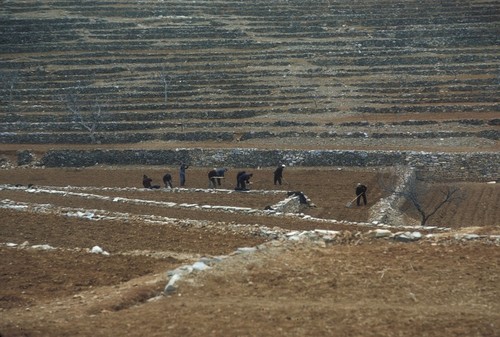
{"type": "Point", "coordinates": [220, 173]}
{"type": "Point", "coordinates": [146, 182]}
{"type": "Point", "coordinates": [278, 174]}
{"type": "Point", "coordinates": [302, 197]}
{"type": "Point", "coordinates": [361, 193]}
{"type": "Point", "coordinates": [167, 180]}
{"type": "Point", "coordinates": [182, 173]}
{"type": "Point", "coordinates": [212, 174]}
{"type": "Point", "coordinates": [238, 186]}
{"type": "Point", "coordinates": [243, 180]}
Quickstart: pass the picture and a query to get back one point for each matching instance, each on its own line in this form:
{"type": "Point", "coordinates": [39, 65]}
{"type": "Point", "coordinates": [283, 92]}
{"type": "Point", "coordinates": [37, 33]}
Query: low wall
{"type": "Point", "coordinates": [456, 166]}
{"type": "Point", "coordinates": [200, 136]}
{"type": "Point", "coordinates": [453, 166]}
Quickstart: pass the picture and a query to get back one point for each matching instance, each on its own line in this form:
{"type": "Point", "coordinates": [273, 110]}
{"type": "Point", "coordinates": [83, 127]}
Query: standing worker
{"type": "Point", "coordinates": [278, 174]}
{"type": "Point", "coordinates": [361, 193]}
{"type": "Point", "coordinates": [182, 173]}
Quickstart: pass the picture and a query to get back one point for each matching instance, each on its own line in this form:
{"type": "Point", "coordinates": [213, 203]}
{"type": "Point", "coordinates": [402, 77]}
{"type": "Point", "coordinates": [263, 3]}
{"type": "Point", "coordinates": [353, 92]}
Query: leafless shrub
{"type": "Point", "coordinates": [8, 82]}
{"type": "Point", "coordinates": [416, 191]}
{"type": "Point", "coordinates": [165, 80]}
{"type": "Point", "coordinates": [87, 112]}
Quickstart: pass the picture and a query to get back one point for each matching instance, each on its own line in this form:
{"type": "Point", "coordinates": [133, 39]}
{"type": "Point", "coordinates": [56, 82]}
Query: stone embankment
{"type": "Point", "coordinates": [477, 166]}
{"type": "Point", "coordinates": [127, 132]}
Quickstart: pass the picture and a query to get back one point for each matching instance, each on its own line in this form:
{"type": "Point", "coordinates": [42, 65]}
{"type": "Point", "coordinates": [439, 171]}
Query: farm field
{"type": "Point", "coordinates": [87, 251]}
{"type": "Point", "coordinates": [304, 288]}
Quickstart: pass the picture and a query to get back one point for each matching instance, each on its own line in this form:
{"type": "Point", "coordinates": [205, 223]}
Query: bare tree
{"type": "Point", "coordinates": [165, 80]}
{"type": "Point", "coordinates": [87, 113]}
{"type": "Point", "coordinates": [9, 81]}
{"type": "Point", "coordinates": [415, 192]}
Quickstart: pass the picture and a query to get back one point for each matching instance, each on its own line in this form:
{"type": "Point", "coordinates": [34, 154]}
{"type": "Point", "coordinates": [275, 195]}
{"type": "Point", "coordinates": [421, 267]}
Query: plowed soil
{"type": "Point", "coordinates": [356, 286]}
{"type": "Point", "coordinates": [348, 67]}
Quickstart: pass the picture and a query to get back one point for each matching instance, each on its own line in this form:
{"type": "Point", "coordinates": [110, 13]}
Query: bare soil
{"type": "Point", "coordinates": [356, 286]}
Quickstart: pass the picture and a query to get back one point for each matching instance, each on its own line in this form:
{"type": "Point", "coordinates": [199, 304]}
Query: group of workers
{"type": "Point", "coordinates": [167, 178]}
{"type": "Point", "coordinates": [216, 175]}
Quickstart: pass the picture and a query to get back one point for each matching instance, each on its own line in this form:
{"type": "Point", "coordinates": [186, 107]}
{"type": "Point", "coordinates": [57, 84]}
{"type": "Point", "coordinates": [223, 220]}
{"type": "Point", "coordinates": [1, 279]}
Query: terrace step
{"type": "Point", "coordinates": [236, 60]}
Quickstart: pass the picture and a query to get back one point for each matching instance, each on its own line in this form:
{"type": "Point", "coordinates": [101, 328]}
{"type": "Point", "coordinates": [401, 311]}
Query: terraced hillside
{"type": "Point", "coordinates": [314, 73]}
{"type": "Point", "coordinates": [94, 94]}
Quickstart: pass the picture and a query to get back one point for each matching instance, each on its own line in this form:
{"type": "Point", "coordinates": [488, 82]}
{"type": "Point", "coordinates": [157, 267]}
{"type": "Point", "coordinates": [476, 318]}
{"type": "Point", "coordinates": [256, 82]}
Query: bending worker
{"type": "Point", "coordinates": [212, 175]}
{"type": "Point", "coordinates": [220, 174]}
{"type": "Point", "coordinates": [243, 180]}
{"type": "Point", "coordinates": [167, 180]}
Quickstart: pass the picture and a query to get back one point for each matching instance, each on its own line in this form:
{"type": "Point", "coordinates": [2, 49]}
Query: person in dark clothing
{"type": "Point", "coordinates": [302, 197]}
{"type": "Point", "coordinates": [220, 173]}
{"type": "Point", "coordinates": [361, 193]}
{"type": "Point", "coordinates": [146, 182]}
{"type": "Point", "coordinates": [278, 174]}
{"type": "Point", "coordinates": [182, 173]}
{"type": "Point", "coordinates": [243, 180]}
{"type": "Point", "coordinates": [167, 180]}
{"type": "Point", "coordinates": [212, 175]}
{"type": "Point", "coordinates": [238, 175]}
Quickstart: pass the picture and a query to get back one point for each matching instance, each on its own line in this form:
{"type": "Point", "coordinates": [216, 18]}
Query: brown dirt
{"type": "Point", "coordinates": [359, 286]}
